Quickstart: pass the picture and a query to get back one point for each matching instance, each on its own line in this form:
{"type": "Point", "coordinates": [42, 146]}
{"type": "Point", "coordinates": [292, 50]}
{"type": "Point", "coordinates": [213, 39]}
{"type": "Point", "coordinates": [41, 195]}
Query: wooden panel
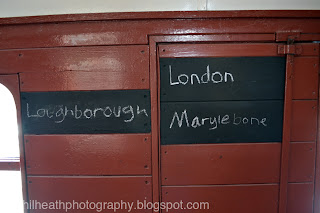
{"type": "Point", "coordinates": [91, 189]}
{"type": "Point", "coordinates": [137, 31]}
{"type": "Point", "coordinates": [82, 80]}
{"type": "Point", "coordinates": [217, 50]}
{"type": "Point", "coordinates": [300, 198]}
{"type": "Point", "coordinates": [118, 61]}
{"type": "Point", "coordinates": [285, 146]}
{"type": "Point", "coordinates": [304, 121]}
{"type": "Point", "coordinates": [127, 154]}
{"type": "Point", "coordinates": [226, 199]}
{"type": "Point", "coordinates": [161, 15]}
{"type": "Point", "coordinates": [302, 162]}
{"type": "Point", "coordinates": [220, 164]}
{"type": "Point", "coordinates": [222, 78]}
{"type": "Point", "coordinates": [221, 122]}
{"type": "Point", "coordinates": [311, 49]}
{"type": "Point", "coordinates": [86, 112]}
{"type": "Point", "coordinates": [305, 81]}
{"type": "Point", "coordinates": [221, 37]}
{"type": "Point", "coordinates": [10, 164]}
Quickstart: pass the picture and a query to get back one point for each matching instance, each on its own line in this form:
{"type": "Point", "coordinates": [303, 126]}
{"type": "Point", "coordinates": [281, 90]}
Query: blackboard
{"type": "Point", "coordinates": [221, 122]}
{"type": "Point", "coordinates": [86, 112]}
{"type": "Point", "coordinates": [225, 100]}
{"type": "Point", "coordinates": [232, 78]}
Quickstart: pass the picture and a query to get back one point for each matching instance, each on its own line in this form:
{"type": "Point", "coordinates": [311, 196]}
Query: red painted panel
{"type": "Point", "coordinates": [227, 198]}
{"type": "Point", "coordinates": [302, 162]}
{"type": "Point", "coordinates": [91, 189]}
{"type": "Point", "coordinates": [305, 79]}
{"type": "Point", "coordinates": [218, 50]}
{"type": "Point", "coordinates": [137, 31]}
{"type": "Point", "coordinates": [310, 49]}
{"type": "Point", "coordinates": [220, 164]}
{"type": "Point", "coordinates": [263, 37]}
{"type": "Point", "coordinates": [81, 81]}
{"type": "Point", "coordinates": [162, 15]}
{"type": "Point", "coordinates": [128, 60]}
{"type": "Point", "coordinates": [300, 198]}
{"type": "Point", "coordinates": [109, 154]}
{"type": "Point", "coordinates": [304, 120]}
{"type": "Point", "coordinates": [10, 164]}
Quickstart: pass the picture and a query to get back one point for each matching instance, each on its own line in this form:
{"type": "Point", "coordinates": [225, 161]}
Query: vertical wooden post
{"type": "Point", "coordinates": [285, 149]}
{"type": "Point", "coordinates": [154, 120]}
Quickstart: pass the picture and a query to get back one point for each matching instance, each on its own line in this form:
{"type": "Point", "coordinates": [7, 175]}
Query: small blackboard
{"type": "Point", "coordinates": [86, 112]}
{"type": "Point", "coordinates": [221, 100]}
{"type": "Point", "coordinates": [221, 122]}
{"type": "Point", "coordinates": [211, 79]}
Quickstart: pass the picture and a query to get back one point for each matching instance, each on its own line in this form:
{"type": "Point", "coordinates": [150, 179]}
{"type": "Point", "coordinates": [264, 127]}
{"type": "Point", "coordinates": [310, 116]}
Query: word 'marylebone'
{"type": "Point", "coordinates": [214, 122]}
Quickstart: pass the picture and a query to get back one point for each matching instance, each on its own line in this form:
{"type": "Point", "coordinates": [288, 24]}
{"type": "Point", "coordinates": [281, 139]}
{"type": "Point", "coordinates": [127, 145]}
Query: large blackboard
{"type": "Point", "coordinates": [236, 78]}
{"type": "Point", "coordinates": [86, 112]}
{"type": "Point", "coordinates": [221, 122]}
{"type": "Point", "coordinates": [221, 91]}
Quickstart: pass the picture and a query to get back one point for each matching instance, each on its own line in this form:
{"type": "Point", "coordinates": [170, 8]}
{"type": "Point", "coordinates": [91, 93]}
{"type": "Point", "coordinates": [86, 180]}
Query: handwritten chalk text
{"type": "Point", "coordinates": [59, 113]}
{"type": "Point", "coordinates": [215, 77]}
{"type": "Point", "coordinates": [215, 122]}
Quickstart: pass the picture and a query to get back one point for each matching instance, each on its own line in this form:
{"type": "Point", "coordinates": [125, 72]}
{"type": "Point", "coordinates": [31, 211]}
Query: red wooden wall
{"type": "Point", "coordinates": [121, 52]}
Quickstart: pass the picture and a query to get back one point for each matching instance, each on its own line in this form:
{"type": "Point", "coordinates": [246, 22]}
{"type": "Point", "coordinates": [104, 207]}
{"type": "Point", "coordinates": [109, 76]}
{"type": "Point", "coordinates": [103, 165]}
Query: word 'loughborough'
{"type": "Point", "coordinates": [214, 122]}
{"type": "Point", "coordinates": [59, 113]}
{"type": "Point", "coordinates": [215, 77]}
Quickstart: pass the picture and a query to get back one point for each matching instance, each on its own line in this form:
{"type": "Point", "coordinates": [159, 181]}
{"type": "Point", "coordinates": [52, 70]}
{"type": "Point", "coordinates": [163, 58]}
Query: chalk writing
{"type": "Point", "coordinates": [59, 113]}
{"type": "Point", "coordinates": [215, 77]}
{"type": "Point", "coordinates": [215, 121]}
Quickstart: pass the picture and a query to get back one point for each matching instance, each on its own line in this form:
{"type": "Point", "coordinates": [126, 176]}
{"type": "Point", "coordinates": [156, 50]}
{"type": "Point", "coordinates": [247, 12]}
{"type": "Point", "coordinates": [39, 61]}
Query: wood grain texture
{"type": "Point", "coordinates": [300, 198]}
{"type": "Point", "coordinates": [304, 120]}
{"type": "Point", "coordinates": [115, 154]}
{"type": "Point", "coordinates": [91, 189]}
{"type": "Point", "coordinates": [220, 164]}
{"type": "Point", "coordinates": [227, 198]}
{"type": "Point", "coordinates": [302, 162]}
{"type": "Point", "coordinates": [305, 78]}
{"type": "Point", "coordinates": [121, 62]}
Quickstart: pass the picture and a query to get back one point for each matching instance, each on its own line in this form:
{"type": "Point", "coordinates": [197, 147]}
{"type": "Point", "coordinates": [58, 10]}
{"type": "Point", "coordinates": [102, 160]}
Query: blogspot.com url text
{"type": "Point", "coordinates": [115, 205]}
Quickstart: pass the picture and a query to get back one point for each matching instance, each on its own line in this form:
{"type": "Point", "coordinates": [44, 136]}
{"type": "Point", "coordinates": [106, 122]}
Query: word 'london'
{"type": "Point", "coordinates": [61, 112]}
{"type": "Point", "coordinates": [214, 122]}
{"type": "Point", "coordinates": [216, 77]}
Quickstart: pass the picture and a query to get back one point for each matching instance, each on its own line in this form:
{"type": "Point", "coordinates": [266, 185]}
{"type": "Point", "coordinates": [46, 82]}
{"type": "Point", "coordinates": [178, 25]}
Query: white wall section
{"type": "Point", "coordinates": [14, 8]}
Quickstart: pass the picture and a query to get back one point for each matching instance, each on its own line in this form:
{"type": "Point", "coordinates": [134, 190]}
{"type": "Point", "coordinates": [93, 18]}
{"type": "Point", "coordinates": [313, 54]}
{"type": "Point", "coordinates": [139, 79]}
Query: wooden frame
{"type": "Point", "coordinates": [196, 50]}
{"type": "Point", "coordinates": [56, 35]}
